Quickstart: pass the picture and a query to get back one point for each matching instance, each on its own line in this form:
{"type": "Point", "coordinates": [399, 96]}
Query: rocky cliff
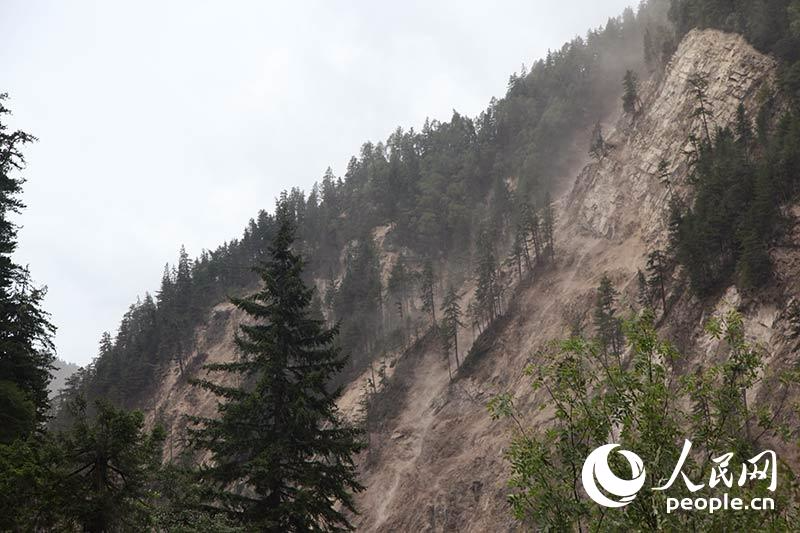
{"type": "Point", "coordinates": [435, 460]}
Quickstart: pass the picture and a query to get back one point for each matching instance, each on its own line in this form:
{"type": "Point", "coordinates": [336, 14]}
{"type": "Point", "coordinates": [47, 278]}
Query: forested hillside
{"type": "Point", "coordinates": [448, 188]}
{"type": "Point", "coordinates": [437, 339]}
{"type": "Point", "coordinates": [443, 191]}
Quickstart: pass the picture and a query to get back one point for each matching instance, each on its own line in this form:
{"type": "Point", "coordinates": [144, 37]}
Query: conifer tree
{"type": "Point", "coordinates": [656, 276]}
{"type": "Point", "coordinates": [426, 294]}
{"type": "Point", "coordinates": [487, 291]}
{"type": "Point", "coordinates": [608, 326]}
{"type": "Point", "coordinates": [26, 347]}
{"type": "Point", "coordinates": [166, 299]}
{"type": "Point", "coordinates": [398, 285]}
{"type": "Point", "coordinates": [649, 48]}
{"type": "Point", "coordinates": [474, 316]}
{"type": "Point", "coordinates": [282, 438]}
{"type": "Point", "coordinates": [531, 227]}
{"type": "Point", "coordinates": [630, 96]}
{"type": "Point", "coordinates": [643, 292]}
{"type": "Point", "coordinates": [664, 175]}
{"type": "Point", "coordinates": [754, 263]}
{"type": "Point", "coordinates": [674, 221]}
{"type": "Point", "coordinates": [183, 312]}
{"type": "Point", "coordinates": [451, 308]}
{"type": "Point", "coordinates": [699, 87]}
{"type": "Point", "coordinates": [598, 147]}
{"type": "Point", "coordinates": [109, 463]}
{"type": "Point", "coordinates": [358, 302]}
{"type": "Point", "coordinates": [729, 202]}
{"type": "Point", "coordinates": [331, 291]}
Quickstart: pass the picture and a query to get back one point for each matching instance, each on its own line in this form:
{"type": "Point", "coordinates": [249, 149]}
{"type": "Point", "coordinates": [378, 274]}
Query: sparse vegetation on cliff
{"type": "Point", "coordinates": [643, 406]}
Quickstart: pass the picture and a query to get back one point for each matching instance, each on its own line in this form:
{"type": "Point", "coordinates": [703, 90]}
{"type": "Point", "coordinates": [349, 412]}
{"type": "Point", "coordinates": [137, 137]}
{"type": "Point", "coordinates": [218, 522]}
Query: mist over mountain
{"type": "Point", "coordinates": [61, 371]}
{"type": "Point", "coordinates": [449, 335]}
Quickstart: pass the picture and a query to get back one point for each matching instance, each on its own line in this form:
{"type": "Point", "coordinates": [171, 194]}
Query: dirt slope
{"type": "Point", "coordinates": [439, 466]}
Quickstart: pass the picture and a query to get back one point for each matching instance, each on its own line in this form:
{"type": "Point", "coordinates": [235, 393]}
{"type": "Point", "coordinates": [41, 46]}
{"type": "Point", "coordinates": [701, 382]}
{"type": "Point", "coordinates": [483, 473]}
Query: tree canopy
{"type": "Point", "coordinates": [281, 456]}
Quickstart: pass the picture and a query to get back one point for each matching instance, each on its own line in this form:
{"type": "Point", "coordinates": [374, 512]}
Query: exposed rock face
{"type": "Point", "coordinates": [176, 397]}
{"type": "Point", "coordinates": [436, 458]}
{"type": "Point", "coordinates": [623, 194]}
{"type": "Point", "coordinates": [446, 472]}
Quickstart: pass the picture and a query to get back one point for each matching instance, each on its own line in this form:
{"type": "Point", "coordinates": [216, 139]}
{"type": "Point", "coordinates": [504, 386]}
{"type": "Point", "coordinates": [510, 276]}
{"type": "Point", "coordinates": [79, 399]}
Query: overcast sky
{"type": "Point", "coordinates": [169, 123]}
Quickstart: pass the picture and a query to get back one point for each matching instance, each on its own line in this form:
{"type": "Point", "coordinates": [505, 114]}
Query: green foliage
{"type": "Point", "coordinates": [26, 347]}
{"type": "Point", "coordinates": [488, 288]}
{"type": "Point", "coordinates": [103, 474]}
{"type": "Point", "coordinates": [98, 476]}
{"type": "Point", "coordinates": [630, 95]}
{"type": "Point", "coordinates": [26, 482]}
{"type": "Point", "coordinates": [155, 331]}
{"type": "Point", "coordinates": [26, 356]}
{"type": "Point", "coordinates": [658, 41]}
{"type": "Point", "coordinates": [598, 147]}
{"type": "Point", "coordinates": [608, 325]}
{"type": "Point", "coordinates": [106, 468]}
{"type": "Point", "coordinates": [704, 108]}
{"type": "Point", "coordinates": [657, 275]}
{"type": "Point", "coordinates": [426, 286]}
{"type": "Point", "coordinates": [451, 309]}
{"type": "Point", "coordinates": [640, 406]}
{"type": "Point", "coordinates": [359, 299]}
{"type": "Point", "coordinates": [529, 242]}
{"type": "Point", "coordinates": [17, 411]}
{"type": "Point", "coordinates": [741, 177]}
{"type": "Point", "coordinates": [732, 219]}
{"type": "Point", "coordinates": [765, 23]}
{"type": "Point", "coordinates": [281, 457]}
{"type": "Point", "coordinates": [399, 285]}
{"type": "Point", "coordinates": [643, 296]}
{"type": "Point", "coordinates": [180, 504]}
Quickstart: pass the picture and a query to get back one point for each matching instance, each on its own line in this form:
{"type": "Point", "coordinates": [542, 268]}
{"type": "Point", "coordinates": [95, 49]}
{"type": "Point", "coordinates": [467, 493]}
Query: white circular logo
{"type": "Point", "coordinates": [596, 467]}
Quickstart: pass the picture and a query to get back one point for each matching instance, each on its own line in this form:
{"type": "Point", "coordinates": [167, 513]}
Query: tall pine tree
{"type": "Point", "coordinates": [426, 290]}
{"type": "Point", "coordinates": [451, 308]}
{"type": "Point", "coordinates": [606, 321]}
{"type": "Point", "coordinates": [630, 96]}
{"type": "Point", "coordinates": [26, 347]}
{"type": "Point", "coordinates": [657, 264]}
{"type": "Point", "coordinates": [281, 456]}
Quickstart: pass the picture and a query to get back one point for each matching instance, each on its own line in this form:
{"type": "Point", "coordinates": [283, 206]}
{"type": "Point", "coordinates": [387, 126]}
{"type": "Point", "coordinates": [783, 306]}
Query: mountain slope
{"type": "Point", "coordinates": [441, 196]}
{"type": "Point", "coordinates": [615, 214]}
{"type": "Point", "coordinates": [435, 458]}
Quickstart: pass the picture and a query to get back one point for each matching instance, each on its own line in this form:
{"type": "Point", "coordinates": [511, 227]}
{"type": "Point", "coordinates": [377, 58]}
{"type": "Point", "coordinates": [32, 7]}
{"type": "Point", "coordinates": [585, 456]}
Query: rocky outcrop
{"type": "Point", "coordinates": [175, 397]}
{"type": "Point", "coordinates": [623, 194]}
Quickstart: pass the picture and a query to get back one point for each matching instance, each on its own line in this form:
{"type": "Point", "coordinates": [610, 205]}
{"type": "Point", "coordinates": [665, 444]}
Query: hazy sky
{"type": "Point", "coordinates": [169, 123]}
